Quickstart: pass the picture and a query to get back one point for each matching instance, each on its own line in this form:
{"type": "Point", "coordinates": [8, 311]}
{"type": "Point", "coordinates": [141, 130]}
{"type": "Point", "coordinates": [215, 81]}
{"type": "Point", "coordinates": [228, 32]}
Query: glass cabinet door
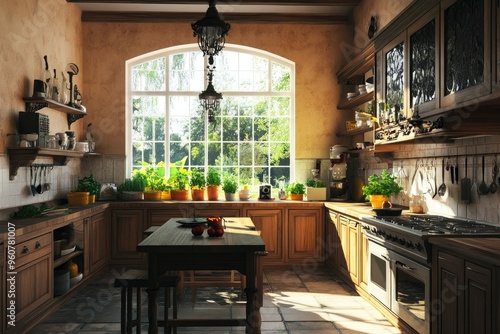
{"type": "Point", "coordinates": [466, 50]}
{"type": "Point", "coordinates": [394, 84]}
{"type": "Point", "coordinates": [423, 64]}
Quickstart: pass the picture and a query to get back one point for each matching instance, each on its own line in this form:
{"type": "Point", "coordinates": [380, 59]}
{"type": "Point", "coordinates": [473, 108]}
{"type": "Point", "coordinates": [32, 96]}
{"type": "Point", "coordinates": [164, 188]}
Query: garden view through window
{"type": "Point", "coordinates": [252, 136]}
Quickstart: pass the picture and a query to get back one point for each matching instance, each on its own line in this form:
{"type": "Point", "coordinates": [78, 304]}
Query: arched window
{"type": "Point", "coordinates": [253, 132]}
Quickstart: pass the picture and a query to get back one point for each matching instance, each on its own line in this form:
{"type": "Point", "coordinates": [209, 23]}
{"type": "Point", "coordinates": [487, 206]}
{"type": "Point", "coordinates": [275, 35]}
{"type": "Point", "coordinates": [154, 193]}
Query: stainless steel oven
{"type": "Point", "coordinates": [401, 284]}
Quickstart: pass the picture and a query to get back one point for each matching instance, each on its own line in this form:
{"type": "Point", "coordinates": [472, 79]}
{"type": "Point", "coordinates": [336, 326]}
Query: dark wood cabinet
{"type": "Point", "coordinates": [463, 298]}
{"type": "Point", "coordinates": [96, 242]}
{"type": "Point", "coordinates": [157, 217]}
{"type": "Point", "coordinates": [127, 230]}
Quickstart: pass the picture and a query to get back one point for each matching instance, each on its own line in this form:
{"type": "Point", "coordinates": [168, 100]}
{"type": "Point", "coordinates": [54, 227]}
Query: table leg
{"type": "Point", "coordinates": [153, 294]}
{"type": "Point", "coordinates": [253, 319]}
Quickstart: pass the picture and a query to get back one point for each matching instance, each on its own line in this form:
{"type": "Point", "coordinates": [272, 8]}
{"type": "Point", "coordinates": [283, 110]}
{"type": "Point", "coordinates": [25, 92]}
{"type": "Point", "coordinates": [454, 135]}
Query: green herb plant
{"type": "Point", "coordinates": [315, 183]}
{"type": "Point", "coordinates": [296, 188]}
{"type": "Point", "coordinates": [88, 184]}
{"type": "Point", "coordinates": [384, 184]}
{"type": "Point", "coordinates": [132, 184]}
{"type": "Point", "coordinates": [197, 180]}
{"type": "Point", "coordinates": [213, 177]}
{"type": "Point", "coordinates": [153, 175]}
{"type": "Point", "coordinates": [230, 183]}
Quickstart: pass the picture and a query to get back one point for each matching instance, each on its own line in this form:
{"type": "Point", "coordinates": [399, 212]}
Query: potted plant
{"type": "Point", "coordinates": [213, 184]}
{"type": "Point", "coordinates": [90, 185]}
{"type": "Point", "coordinates": [154, 179]}
{"type": "Point", "coordinates": [315, 190]}
{"type": "Point", "coordinates": [132, 188]}
{"type": "Point", "coordinates": [198, 185]}
{"type": "Point", "coordinates": [229, 186]}
{"type": "Point", "coordinates": [179, 183]}
{"type": "Point", "coordinates": [380, 188]}
{"type": "Point", "coordinates": [296, 191]}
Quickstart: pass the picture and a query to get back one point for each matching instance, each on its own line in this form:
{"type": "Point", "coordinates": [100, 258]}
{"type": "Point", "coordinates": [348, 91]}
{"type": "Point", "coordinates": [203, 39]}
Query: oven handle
{"type": "Point", "coordinates": [404, 266]}
{"type": "Point", "coordinates": [397, 263]}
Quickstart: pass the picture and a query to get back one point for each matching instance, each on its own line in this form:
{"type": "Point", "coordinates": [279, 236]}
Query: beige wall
{"type": "Point", "coordinates": [313, 48]}
{"type": "Point", "coordinates": [30, 29]}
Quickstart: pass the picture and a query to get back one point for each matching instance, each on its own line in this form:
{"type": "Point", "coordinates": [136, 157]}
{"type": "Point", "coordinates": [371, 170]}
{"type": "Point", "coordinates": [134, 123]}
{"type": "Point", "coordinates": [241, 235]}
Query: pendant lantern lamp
{"type": "Point", "coordinates": [211, 32]}
{"type": "Point", "coordinates": [209, 98]}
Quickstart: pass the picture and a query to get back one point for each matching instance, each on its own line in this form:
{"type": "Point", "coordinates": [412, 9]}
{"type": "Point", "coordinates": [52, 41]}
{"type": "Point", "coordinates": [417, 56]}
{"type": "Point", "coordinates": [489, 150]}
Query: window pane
{"type": "Point", "coordinates": [251, 133]}
{"type": "Point", "coordinates": [149, 76]}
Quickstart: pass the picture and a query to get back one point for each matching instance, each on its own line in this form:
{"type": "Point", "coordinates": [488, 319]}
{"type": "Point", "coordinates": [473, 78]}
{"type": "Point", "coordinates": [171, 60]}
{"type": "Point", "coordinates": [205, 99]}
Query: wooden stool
{"type": "Point", "coordinates": [139, 279]}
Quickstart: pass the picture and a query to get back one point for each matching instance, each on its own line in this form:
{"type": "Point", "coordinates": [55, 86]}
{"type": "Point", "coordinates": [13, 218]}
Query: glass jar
{"type": "Point", "coordinates": [417, 204]}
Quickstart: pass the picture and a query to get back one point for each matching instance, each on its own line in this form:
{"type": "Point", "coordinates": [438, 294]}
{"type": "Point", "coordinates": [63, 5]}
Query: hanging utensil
{"type": "Point", "coordinates": [494, 172]}
{"type": "Point", "coordinates": [442, 187]}
{"type": "Point", "coordinates": [32, 181]}
{"type": "Point", "coordinates": [474, 188]}
{"type": "Point", "coordinates": [456, 171]}
{"type": "Point", "coordinates": [33, 185]}
{"type": "Point", "coordinates": [465, 187]}
{"type": "Point", "coordinates": [483, 188]}
{"type": "Point", "coordinates": [39, 188]}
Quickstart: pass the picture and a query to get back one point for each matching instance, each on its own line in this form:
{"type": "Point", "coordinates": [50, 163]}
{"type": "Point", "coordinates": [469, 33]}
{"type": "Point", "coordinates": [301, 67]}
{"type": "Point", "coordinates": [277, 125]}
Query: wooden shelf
{"type": "Point", "coordinates": [33, 104]}
{"type": "Point", "coordinates": [358, 131]}
{"type": "Point", "coordinates": [358, 65]}
{"type": "Point", "coordinates": [24, 157]}
{"type": "Point", "coordinates": [66, 258]}
{"type": "Point", "coordinates": [356, 101]}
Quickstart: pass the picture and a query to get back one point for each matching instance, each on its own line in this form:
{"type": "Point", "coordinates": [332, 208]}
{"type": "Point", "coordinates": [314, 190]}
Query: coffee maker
{"type": "Point", "coordinates": [337, 184]}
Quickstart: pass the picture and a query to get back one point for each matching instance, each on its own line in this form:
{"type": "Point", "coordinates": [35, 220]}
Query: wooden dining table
{"type": "Point", "coordinates": [172, 247]}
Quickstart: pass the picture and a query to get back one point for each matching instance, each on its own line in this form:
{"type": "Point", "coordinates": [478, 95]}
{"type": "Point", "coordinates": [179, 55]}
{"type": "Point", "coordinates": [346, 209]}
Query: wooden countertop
{"type": "Point", "coordinates": [485, 249]}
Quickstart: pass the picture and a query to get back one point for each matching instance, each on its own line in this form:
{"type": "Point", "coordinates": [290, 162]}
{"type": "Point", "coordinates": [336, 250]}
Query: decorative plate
{"type": "Point", "coordinates": [192, 221]}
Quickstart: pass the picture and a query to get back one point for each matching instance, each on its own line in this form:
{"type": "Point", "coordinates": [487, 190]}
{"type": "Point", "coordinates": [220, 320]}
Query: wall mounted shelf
{"type": "Point", "coordinates": [33, 104]}
{"type": "Point", "coordinates": [24, 157]}
{"type": "Point", "coordinates": [358, 131]}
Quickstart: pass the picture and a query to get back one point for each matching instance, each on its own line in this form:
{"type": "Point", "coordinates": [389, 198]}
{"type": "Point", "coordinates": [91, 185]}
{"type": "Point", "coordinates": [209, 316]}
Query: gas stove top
{"type": "Point", "coordinates": [439, 225]}
{"type": "Point", "coordinates": [409, 234]}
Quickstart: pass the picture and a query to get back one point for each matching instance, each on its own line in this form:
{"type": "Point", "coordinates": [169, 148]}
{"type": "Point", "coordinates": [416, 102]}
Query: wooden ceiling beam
{"type": "Point", "coordinates": [155, 17]}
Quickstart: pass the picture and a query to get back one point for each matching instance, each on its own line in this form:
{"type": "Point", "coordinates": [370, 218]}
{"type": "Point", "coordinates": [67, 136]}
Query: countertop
{"type": "Point", "coordinates": [485, 249]}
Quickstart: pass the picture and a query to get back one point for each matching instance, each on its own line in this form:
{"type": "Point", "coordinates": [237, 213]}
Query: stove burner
{"type": "Point", "coordinates": [440, 225]}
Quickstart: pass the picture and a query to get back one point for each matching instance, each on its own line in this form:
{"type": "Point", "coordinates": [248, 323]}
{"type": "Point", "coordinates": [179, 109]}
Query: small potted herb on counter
{"type": "Point", "coordinates": [315, 190]}
{"type": "Point", "coordinates": [90, 185]}
{"type": "Point", "coordinates": [296, 191]}
{"type": "Point", "coordinates": [198, 185]}
{"type": "Point", "coordinates": [132, 189]}
{"type": "Point", "coordinates": [213, 184]}
{"type": "Point", "coordinates": [230, 186]}
{"type": "Point", "coordinates": [380, 188]}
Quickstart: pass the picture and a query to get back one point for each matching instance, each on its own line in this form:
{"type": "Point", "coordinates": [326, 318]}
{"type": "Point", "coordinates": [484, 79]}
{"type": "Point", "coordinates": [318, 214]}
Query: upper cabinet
{"type": "Point", "coordinates": [466, 32]}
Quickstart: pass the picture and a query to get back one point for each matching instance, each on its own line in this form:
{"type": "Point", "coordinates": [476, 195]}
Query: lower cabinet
{"type": "Point", "coordinates": [462, 295]}
{"type": "Point", "coordinates": [127, 228]}
{"type": "Point", "coordinates": [157, 217]}
{"type": "Point", "coordinates": [96, 241]}
{"type": "Point", "coordinates": [349, 239]}
{"type": "Point", "coordinates": [33, 280]}
{"type": "Point", "coordinates": [270, 223]}
{"type": "Point", "coordinates": [332, 244]}
{"type": "Point", "coordinates": [305, 235]}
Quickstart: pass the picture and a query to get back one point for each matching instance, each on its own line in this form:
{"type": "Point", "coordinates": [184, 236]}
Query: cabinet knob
{"type": "Point", "coordinates": [25, 250]}
{"type": "Point", "coordinates": [38, 245]}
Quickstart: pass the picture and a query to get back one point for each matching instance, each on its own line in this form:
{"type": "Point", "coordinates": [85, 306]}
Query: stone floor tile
{"type": "Point", "coordinates": [292, 314]}
{"type": "Point", "coordinates": [316, 327]}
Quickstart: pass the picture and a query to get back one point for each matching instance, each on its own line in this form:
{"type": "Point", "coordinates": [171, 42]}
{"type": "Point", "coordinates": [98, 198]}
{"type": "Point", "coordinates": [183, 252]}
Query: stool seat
{"type": "Point", "coordinates": [138, 279]}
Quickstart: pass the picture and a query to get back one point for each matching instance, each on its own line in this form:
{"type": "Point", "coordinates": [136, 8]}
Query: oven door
{"type": "Point", "coordinates": [410, 291]}
{"type": "Point", "coordinates": [379, 273]}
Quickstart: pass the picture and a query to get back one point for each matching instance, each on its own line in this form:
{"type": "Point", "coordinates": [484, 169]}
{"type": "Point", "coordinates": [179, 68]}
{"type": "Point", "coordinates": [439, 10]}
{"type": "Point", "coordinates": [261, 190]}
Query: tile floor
{"type": "Point", "coordinates": [295, 301]}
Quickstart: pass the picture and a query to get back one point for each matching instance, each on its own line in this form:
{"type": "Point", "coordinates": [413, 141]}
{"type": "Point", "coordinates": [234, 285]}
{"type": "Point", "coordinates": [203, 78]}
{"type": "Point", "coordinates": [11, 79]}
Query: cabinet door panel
{"type": "Point", "coordinates": [477, 299]}
{"type": "Point", "coordinates": [98, 241]}
{"type": "Point", "coordinates": [33, 285]}
{"type": "Point", "coordinates": [305, 235]}
{"type": "Point", "coordinates": [332, 240]}
{"type": "Point", "coordinates": [344, 240]}
{"type": "Point", "coordinates": [223, 212]}
{"type": "Point", "coordinates": [270, 224]}
{"type": "Point", "coordinates": [127, 228]}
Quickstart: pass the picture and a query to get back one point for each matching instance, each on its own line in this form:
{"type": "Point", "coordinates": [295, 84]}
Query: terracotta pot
{"type": "Point", "coordinates": [377, 200]}
{"type": "Point", "coordinates": [296, 197]}
{"type": "Point", "coordinates": [165, 195]}
{"type": "Point", "coordinates": [152, 195]}
{"type": "Point", "coordinates": [213, 193]}
{"type": "Point", "coordinates": [179, 195]}
{"type": "Point", "coordinates": [198, 194]}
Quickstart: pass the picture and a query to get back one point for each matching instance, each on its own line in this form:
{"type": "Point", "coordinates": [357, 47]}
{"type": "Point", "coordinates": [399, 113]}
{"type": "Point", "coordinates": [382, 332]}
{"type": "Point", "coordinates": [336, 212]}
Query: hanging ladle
{"type": "Point", "coordinates": [442, 187]}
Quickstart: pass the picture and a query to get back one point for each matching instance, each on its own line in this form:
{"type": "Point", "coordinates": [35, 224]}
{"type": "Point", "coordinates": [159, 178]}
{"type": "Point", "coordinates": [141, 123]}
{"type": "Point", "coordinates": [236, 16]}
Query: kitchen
{"type": "Point", "coordinates": [32, 29]}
